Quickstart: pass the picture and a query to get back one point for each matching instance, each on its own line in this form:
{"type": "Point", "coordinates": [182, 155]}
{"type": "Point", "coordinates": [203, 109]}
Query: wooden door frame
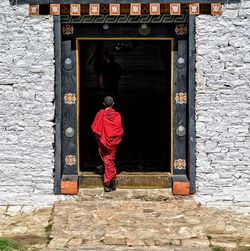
{"type": "Point", "coordinates": [58, 104]}
{"type": "Point", "coordinates": [128, 39]}
{"type": "Point", "coordinates": [191, 175]}
{"type": "Point", "coordinates": [191, 137]}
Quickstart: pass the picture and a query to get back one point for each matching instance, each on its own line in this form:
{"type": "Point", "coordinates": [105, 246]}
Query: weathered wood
{"type": "Point", "coordinates": [116, 31]}
{"type": "Point", "coordinates": [121, 1]}
{"type": "Point", "coordinates": [180, 89]}
{"type": "Point", "coordinates": [191, 106]}
{"type": "Point", "coordinates": [128, 180]}
{"type": "Point", "coordinates": [58, 98]}
{"type": "Point", "coordinates": [69, 112]}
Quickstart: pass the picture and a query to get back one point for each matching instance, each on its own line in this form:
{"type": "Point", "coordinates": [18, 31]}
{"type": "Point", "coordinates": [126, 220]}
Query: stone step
{"type": "Point", "coordinates": [97, 194]}
{"type": "Point", "coordinates": [128, 180]}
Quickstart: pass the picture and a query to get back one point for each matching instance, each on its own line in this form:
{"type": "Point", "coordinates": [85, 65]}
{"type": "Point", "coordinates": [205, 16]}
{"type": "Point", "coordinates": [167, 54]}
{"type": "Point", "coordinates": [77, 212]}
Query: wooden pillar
{"type": "Point", "coordinates": [69, 183]}
{"type": "Point", "coordinates": [180, 185]}
{"type": "Point", "coordinates": [191, 106]}
{"type": "Point", "coordinates": [58, 100]}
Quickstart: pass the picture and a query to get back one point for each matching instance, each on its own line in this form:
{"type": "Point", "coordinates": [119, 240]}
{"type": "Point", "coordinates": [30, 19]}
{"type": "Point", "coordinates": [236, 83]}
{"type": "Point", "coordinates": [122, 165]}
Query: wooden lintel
{"type": "Point", "coordinates": [14, 2]}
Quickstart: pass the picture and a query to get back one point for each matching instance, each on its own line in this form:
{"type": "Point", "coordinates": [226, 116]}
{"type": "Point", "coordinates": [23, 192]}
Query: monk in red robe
{"type": "Point", "coordinates": [107, 127]}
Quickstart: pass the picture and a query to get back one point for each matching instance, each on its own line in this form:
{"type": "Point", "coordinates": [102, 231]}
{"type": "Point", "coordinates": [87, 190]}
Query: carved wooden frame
{"type": "Point", "coordinates": [190, 163]}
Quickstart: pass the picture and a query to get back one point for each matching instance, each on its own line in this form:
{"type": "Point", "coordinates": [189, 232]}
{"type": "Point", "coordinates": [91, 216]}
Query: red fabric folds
{"type": "Point", "coordinates": [107, 126]}
{"type": "Point", "coordinates": [108, 158]}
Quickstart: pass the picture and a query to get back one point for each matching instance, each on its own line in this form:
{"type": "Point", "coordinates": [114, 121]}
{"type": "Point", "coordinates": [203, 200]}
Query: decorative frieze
{"type": "Point", "coordinates": [124, 18]}
{"type": "Point", "coordinates": [94, 9]}
{"type": "Point", "coordinates": [75, 9]}
{"type": "Point", "coordinates": [194, 9]}
{"type": "Point", "coordinates": [175, 9]}
{"type": "Point", "coordinates": [155, 9]}
{"type": "Point", "coordinates": [216, 9]}
{"type": "Point", "coordinates": [55, 9]}
{"type": "Point", "coordinates": [114, 9]}
{"type": "Point", "coordinates": [134, 9]}
{"type": "Point", "coordinates": [34, 10]}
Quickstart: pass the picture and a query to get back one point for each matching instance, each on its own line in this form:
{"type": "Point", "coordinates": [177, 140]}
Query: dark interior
{"type": "Point", "coordinates": [143, 99]}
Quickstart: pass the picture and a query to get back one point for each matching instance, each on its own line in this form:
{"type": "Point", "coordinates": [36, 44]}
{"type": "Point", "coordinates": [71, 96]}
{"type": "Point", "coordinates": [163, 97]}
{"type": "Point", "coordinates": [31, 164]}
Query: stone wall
{"type": "Point", "coordinates": [26, 107]}
{"type": "Point", "coordinates": [223, 107]}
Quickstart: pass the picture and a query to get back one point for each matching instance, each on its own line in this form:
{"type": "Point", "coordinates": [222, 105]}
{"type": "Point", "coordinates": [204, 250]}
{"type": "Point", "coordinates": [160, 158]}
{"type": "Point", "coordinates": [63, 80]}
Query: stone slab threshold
{"type": "Point", "coordinates": [135, 180]}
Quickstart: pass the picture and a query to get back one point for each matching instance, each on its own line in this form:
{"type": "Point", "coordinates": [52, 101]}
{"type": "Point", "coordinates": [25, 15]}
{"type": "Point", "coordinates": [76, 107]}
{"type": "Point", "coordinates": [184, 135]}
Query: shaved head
{"type": "Point", "coordinates": [108, 101]}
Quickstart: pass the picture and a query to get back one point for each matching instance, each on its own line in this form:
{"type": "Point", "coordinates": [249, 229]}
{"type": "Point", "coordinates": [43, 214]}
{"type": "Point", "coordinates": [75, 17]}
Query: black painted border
{"type": "Point", "coordinates": [191, 156]}
{"type": "Point", "coordinates": [58, 108]}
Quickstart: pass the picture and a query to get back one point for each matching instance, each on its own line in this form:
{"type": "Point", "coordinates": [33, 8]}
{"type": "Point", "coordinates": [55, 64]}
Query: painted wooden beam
{"type": "Point", "coordinates": [180, 102]}
{"type": "Point", "coordinates": [58, 98]}
{"type": "Point", "coordinates": [14, 2]}
{"type": "Point", "coordinates": [191, 158]}
{"type": "Point", "coordinates": [69, 110]}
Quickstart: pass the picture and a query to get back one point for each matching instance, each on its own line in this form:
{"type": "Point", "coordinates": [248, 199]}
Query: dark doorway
{"type": "Point", "coordinates": [143, 99]}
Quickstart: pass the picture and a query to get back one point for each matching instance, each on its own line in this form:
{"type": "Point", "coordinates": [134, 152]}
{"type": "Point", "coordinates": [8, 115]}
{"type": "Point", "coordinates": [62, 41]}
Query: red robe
{"type": "Point", "coordinates": [107, 127]}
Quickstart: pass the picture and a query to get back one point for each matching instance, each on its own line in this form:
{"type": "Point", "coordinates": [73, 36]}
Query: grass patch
{"type": "Point", "coordinates": [214, 248]}
{"type": "Point", "coordinates": [6, 245]}
{"type": "Point", "coordinates": [48, 229]}
{"type": "Point", "coordinates": [209, 237]}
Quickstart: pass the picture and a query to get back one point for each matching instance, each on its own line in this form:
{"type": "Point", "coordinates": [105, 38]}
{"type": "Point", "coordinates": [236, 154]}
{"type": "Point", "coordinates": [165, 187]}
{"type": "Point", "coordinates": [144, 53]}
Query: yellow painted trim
{"type": "Point", "coordinates": [124, 38]}
{"type": "Point", "coordinates": [172, 108]}
{"type": "Point", "coordinates": [78, 87]}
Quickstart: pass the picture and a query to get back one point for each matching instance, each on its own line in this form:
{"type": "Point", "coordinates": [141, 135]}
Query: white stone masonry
{"type": "Point", "coordinates": [223, 108]}
{"type": "Point", "coordinates": [26, 107]}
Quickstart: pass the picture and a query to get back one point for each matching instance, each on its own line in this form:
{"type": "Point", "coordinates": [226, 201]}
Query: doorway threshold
{"type": "Point", "coordinates": [133, 180]}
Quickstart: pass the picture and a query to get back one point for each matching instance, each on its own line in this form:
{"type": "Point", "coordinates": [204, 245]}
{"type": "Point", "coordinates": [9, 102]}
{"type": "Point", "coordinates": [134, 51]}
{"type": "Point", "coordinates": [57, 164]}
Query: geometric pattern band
{"type": "Point", "coordinates": [124, 18]}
